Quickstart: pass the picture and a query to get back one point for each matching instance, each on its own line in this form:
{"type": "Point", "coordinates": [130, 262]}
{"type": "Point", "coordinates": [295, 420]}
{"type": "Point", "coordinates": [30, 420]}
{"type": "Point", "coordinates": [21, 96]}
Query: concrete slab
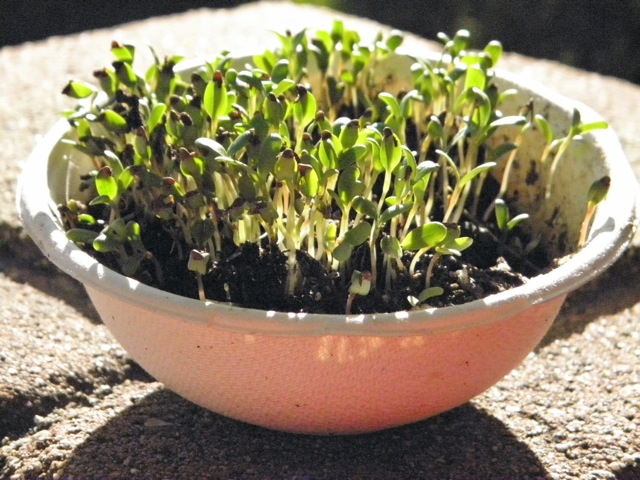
{"type": "Point", "coordinates": [73, 406]}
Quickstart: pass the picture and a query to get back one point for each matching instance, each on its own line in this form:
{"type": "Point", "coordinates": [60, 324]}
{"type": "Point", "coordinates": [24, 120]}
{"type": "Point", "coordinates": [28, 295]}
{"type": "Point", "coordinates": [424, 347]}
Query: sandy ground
{"type": "Point", "coordinates": [72, 405]}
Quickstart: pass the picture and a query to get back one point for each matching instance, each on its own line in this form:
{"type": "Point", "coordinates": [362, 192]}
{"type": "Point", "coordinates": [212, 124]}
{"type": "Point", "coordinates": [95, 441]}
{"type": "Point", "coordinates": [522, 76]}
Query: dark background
{"type": "Point", "coordinates": [602, 36]}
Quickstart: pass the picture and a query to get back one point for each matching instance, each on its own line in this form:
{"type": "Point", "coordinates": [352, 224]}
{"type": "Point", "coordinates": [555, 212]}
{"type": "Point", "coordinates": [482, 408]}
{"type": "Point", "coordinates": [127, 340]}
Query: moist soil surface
{"type": "Point", "coordinates": [255, 276]}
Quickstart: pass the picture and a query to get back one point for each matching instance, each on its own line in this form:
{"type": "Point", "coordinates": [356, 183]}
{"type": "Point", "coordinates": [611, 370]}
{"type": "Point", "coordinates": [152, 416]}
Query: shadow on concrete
{"type": "Point", "coordinates": [164, 436]}
{"type": "Point", "coordinates": [613, 291]}
{"type": "Point", "coordinates": [22, 262]}
{"type": "Point", "coordinates": [628, 473]}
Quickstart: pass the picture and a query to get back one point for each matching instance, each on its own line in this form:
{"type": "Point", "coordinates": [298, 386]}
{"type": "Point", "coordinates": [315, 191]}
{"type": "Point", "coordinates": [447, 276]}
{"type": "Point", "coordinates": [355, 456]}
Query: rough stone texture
{"type": "Point", "coordinates": [73, 406]}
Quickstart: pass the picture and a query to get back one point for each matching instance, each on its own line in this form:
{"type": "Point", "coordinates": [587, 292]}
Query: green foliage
{"type": "Point", "coordinates": [596, 194]}
{"type": "Point", "coordinates": [238, 154]}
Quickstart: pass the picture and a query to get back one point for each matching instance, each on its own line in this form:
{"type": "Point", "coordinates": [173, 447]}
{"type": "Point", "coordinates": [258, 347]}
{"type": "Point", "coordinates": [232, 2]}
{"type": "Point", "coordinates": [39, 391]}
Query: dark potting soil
{"type": "Point", "coordinates": [255, 276]}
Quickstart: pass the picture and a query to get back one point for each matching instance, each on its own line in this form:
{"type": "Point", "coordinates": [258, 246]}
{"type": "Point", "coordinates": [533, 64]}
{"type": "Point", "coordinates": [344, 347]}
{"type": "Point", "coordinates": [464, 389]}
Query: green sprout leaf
{"type": "Point", "coordinates": [274, 110]}
{"type": "Point", "coordinates": [115, 121]}
{"type": "Point", "coordinates": [365, 206]}
{"type": "Point", "coordinates": [394, 40]}
{"type": "Point", "coordinates": [391, 247]}
{"type": "Point", "coordinates": [81, 236]}
{"type": "Point", "coordinates": [494, 51]}
{"type": "Point", "coordinates": [304, 109]}
{"type": "Point", "coordinates": [596, 194]}
{"type": "Point", "coordinates": [209, 148]}
{"type": "Point", "coordinates": [342, 252]}
{"type": "Point", "coordinates": [106, 185]}
{"type": "Point", "coordinates": [517, 220]}
{"type": "Point", "coordinates": [76, 89]}
{"type": "Point", "coordinates": [453, 243]}
{"type": "Point", "coordinates": [360, 283]}
{"type": "Point", "coordinates": [113, 161]}
{"type": "Point", "coordinates": [286, 166]}
{"type": "Point", "coordinates": [157, 117]}
{"type": "Point", "coordinates": [390, 150]}
{"type": "Point", "coordinates": [280, 71]}
{"type": "Point", "coordinates": [501, 150]}
{"type": "Point", "coordinates": [425, 295]}
{"type": "Point", "coordinates": [351, 155]}
{"type": "Point", "coordinates": [123, 53]}
{"type": "Point", "coordinates": [348, 184]}
{"type": "Point", "coordinates": [509, 120]}
{"type": "Point", "coordinates": [283, 86]}
{"type": "Point", "coordinates": [475, 78]}
{"type": "Point", "coordinates": [394, 211]}
{"type": "Point", "coordinates": [590, 127]}
{"type": "Point", "coordinates": [425, 236]}
{"type": "Point", "coordinates": [599, 190]}
{"type": "Point", "coordinates": [358, 234]}
{"type": "Point", "coordinates": [112, 237]}
{"type": "Point", "coordinates": [269, 151]}
{"type": "Point", "coordinates": [482, 114]}
{"type": "Point", "coordinates": [86, 219]}
{"type": "Point", "coordinates": [191, 166]}
{"type": "Point", "coordinates": [215, 97]}
{"type": "Point", "coordinates": [327, 152]}
{"type": "Point", "coordinates": [469, 176]}
{"type": "Point", "coordinates": [238, 144]}
{"type": "Point", "coordinates": [424, 169]}
{"type": "Point", "coordinates": [309, 181]}
{"type": "Point", "coordinates": [576, 118]}
{"type": "Point", "coordinates": [502, 214]}
{"type": "Point", "coordinates": [125, 73]}
{"type": "Point", "coordinates": [544, 127]}
{"type": "Point", "coordinates": [349, 135]}
{"type": "Point", "coordinates": [392, 103]}
{"type": "Point", "coordinates": [430, 292]}
{"type": "Point", "coordinates": [105, 244]}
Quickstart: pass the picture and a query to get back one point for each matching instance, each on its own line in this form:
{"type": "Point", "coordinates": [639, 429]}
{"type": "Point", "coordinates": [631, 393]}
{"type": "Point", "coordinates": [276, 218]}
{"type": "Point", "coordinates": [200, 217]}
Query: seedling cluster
{"type": "Point", "coordinates": [371, 185]}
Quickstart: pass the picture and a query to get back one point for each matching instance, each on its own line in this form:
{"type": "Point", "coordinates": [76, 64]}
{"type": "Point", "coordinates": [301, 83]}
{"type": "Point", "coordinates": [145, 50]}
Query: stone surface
{"type": "Point", "coordinates": [73, 406]}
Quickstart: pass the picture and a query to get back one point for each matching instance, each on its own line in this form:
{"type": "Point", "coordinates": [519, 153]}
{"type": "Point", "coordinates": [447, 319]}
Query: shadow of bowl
{"type": "Point", "coordinates": [164, 436]}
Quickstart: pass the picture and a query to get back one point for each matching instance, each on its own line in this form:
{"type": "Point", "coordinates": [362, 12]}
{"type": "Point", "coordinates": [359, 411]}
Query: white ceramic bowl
{"type": "Point", "coordinates": [331, 374]}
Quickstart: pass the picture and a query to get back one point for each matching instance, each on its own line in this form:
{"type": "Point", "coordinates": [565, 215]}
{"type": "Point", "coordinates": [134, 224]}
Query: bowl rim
{"type": "Point", "coordinates": [41, 223]}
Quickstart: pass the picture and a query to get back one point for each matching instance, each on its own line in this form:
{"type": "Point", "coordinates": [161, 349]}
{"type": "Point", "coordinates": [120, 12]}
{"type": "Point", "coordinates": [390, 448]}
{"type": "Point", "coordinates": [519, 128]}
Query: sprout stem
{"type": "Point", "coordinates": [432, 264]}
{"type": "Point", "coordinates": [201, 294]}
{"type": "Point", "coordinates": [584, 227]}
